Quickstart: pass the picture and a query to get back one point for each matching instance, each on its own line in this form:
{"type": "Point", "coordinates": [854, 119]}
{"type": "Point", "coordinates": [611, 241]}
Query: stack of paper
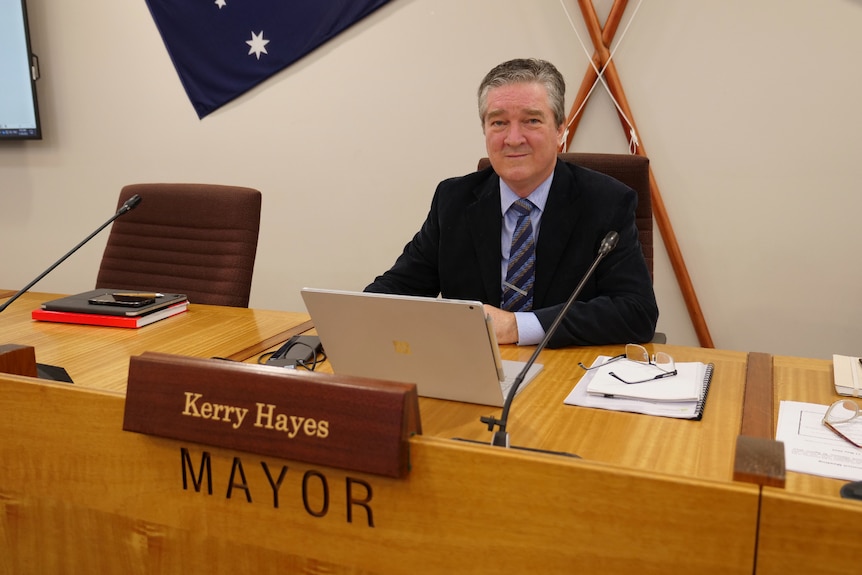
{"type": "Point", "coordinates": [682, 395]}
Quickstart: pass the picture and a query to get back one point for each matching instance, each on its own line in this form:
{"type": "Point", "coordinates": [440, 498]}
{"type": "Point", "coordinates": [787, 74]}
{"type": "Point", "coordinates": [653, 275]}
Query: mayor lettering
{"type": "Point", "coordinates": [273, 483]}
{"type": "Point", "coordinates": [267, 416]}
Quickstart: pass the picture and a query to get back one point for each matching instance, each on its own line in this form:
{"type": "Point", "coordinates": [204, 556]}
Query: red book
{"type": "Point", "coordinates": [109, 320]}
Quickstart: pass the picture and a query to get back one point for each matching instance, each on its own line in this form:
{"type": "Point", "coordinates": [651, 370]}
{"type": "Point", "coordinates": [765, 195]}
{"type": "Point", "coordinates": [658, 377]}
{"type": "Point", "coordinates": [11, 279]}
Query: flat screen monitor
{"type": "Point", "coordinates": [19, 112]}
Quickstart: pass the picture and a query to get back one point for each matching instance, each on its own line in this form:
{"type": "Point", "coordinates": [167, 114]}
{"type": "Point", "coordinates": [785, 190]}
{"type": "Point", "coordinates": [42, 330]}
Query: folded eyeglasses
{"type": "Point", "coordinates": [843, 418]}
{"type": "Point", "coordinates": [637, 353]}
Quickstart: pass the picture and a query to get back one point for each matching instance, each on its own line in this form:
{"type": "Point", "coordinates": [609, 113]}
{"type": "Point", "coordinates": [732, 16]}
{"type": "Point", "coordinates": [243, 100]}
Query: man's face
{"type": "Point", "coordinates": [521, 135]}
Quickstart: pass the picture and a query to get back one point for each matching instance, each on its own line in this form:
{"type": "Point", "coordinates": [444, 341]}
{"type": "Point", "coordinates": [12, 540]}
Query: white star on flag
{"type": "Point", "coordinates": [257, 44]}
{"type": "Point", "coordinates": [220, 3]}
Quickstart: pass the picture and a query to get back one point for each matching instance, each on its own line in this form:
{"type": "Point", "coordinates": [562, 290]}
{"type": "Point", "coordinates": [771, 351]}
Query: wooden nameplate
{"type": "Point", "coordinates": [350, 423]}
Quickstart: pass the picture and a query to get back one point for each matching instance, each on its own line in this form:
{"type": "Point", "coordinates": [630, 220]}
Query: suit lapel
{"type": "Point", "coordinates": [558, 223]}
{"type": "Point", "coordinates": [485, 229]}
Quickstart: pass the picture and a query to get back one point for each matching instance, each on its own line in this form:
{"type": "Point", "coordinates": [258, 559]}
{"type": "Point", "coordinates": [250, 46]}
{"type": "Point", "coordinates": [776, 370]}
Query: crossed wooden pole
{"type": "Point", "coordinates": [602, 38]}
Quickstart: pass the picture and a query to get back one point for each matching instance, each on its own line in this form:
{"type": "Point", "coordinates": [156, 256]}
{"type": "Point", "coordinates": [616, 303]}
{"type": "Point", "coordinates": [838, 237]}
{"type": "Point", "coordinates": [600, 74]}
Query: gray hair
{"type": "Point", "coordinates": [526, 71]}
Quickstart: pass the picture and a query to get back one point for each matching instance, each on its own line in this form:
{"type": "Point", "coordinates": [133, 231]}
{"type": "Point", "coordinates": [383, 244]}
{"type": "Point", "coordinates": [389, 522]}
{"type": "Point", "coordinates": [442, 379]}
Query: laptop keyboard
{"type": "Point", "coordinates": [511, 369]}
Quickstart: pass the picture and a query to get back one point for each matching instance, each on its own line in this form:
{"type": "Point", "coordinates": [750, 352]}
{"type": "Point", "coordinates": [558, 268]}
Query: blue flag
{"type": "Point", "coordinates": [223, 48]}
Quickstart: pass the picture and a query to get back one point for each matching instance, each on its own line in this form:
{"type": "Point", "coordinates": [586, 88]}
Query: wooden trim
{"type": "Point", "coordinates": [757, 404]}
{"type": "Point", "coordinates": [759, 458]}
{"type": "Point", "coordinates": [602, 39]}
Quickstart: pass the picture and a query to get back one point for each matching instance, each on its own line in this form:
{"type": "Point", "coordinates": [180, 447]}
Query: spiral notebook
{"type": "Point", "coordinates": [682, 396]}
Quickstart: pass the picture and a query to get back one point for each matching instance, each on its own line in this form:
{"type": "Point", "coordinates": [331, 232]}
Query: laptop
{"type": "Point", "coordinates": [448, 348]}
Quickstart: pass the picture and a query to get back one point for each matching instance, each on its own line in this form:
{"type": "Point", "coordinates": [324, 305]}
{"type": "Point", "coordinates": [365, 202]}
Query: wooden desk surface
{"type": "Point", "coordinates": [539, 419]}
{"type": "Point", "coordinates": [97, 357]}
{"type": "Point", "coordinates": [811, 381]}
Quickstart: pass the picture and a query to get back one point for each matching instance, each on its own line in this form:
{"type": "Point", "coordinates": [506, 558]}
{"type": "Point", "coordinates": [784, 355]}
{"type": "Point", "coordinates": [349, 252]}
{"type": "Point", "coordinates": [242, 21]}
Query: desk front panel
{"type": "Point", "coordinates": [807, 527]}
{"type": "Point", "coordinates": [98, 357]}
{"type": "Point", "coordinates": [78, 494]}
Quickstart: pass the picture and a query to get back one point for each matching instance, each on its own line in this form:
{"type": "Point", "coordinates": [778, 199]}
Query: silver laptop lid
{"type": "Point", "coordinates": [443, 346]}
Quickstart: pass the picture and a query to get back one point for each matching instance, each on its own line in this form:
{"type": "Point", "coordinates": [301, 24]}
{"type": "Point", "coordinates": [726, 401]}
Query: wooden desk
{"type": "Point", "coordinates": [807, 527]}
{"type": "Point", "coordinates": [539, 419]}
{"type": "Point", "coordinates": [97, 357]}
{"type": "Point", "coordinates": [650, 495]}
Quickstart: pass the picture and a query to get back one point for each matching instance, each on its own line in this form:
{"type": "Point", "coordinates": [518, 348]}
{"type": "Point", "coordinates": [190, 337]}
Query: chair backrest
{"type": "Point", "coordinates": [196, 239]}
{"type": "Point", "coordinates": [631, 170]}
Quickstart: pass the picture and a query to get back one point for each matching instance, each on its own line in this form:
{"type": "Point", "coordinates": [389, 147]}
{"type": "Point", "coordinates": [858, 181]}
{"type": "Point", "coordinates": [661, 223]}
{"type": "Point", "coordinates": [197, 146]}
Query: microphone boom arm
{"type": "Point", "coordinates": [130, 204]}
{"type": "Point", "coordinates": [501, 436]}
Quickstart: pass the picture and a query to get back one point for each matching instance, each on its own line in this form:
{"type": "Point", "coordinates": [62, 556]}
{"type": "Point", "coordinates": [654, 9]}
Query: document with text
{"type": "Point", "coordinates": [811, 447]}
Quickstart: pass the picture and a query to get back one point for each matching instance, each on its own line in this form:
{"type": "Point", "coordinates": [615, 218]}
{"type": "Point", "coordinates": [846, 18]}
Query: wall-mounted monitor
{"type": "Point", "coordinates": [19, 70]}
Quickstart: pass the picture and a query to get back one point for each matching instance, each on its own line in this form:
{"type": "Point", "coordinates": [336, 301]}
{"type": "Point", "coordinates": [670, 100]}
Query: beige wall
{"type": "Point", "coordinates": [749, 111]}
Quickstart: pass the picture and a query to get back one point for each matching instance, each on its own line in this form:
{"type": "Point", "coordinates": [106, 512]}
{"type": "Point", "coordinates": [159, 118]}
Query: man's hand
{"type": "Point", "coordinates": [505, 325]}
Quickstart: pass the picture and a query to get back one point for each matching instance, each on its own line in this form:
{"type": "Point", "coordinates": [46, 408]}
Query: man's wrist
{"type": "Point", "coordinates": [529, 330]}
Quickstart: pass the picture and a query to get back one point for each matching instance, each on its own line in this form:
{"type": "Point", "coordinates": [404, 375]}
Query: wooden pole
{"type": "Point", "coordinates": [602, 38]}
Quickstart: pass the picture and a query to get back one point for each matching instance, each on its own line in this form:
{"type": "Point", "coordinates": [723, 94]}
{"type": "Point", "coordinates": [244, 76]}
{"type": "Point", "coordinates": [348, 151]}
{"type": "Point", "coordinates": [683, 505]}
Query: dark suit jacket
{"type": "Point", "coordinates": [457, 254]}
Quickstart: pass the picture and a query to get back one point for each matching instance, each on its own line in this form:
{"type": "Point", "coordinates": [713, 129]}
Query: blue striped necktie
{"type": "Point", "coordinates": [520, 275]}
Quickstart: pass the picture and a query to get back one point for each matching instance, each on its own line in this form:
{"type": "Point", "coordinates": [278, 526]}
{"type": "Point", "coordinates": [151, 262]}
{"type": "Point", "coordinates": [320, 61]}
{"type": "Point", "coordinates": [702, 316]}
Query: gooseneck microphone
{"type": "Point", "coordinates": [130, 204]}
{"type": "Point", "coordinates": [501, 436]}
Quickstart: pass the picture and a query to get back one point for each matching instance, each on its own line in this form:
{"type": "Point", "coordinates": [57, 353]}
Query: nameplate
{"type": "Point", "coordinates": [351, 423]}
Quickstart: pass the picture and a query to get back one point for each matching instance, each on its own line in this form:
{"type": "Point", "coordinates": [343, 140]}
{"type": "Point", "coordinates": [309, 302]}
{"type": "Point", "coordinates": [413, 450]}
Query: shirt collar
{"type": "Point", "coordinates": [539, 196]}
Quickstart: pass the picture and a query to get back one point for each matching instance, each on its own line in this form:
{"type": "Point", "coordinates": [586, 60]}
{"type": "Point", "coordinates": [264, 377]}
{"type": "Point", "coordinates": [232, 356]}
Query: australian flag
{"type": "Point", "coordinates": [223, 48]}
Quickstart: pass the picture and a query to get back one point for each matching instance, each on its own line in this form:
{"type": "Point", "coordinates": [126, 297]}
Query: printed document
{"type": "Point", "coordinates": [811, 447]}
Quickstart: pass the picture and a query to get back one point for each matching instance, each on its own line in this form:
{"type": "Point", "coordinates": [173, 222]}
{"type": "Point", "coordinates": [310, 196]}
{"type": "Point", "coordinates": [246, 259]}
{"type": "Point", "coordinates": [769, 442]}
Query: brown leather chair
{"type": "Point", "coordinates": [196, 239]}
{"type": "Point", "coordinates": [633, 171]}
{"type": "Point", "coordinates": [629, 169]}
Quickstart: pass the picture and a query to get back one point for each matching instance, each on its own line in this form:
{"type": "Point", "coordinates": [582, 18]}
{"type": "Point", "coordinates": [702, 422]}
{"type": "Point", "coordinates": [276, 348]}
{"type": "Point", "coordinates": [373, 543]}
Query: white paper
{"type": "Point", "coordinates": [579, 396]}
{"type": "Point", "coordinates": [685, 386]}
{"type": "Point", "coordinates": [811, 447]}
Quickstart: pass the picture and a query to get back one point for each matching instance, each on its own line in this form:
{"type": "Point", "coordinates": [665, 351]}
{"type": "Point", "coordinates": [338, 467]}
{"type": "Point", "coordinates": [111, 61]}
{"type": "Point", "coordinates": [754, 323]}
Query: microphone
{"type": "Point", "coordinates": [501, 436]}
{"type": "Point", "coordinates": [129, 205]}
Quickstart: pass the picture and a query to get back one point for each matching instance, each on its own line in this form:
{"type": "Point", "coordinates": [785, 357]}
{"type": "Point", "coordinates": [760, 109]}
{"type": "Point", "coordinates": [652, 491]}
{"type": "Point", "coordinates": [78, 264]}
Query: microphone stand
{"type": "Point", "coordinates": [501, 436]}
{"type": "Point", "coordinates": [130, 204]}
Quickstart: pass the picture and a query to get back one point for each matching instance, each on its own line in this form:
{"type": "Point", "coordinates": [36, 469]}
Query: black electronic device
{"type": "Point", "coordinates": [124, 299]}
{"type": "Point", "coordinates": [852, 490]}
{"type": "Point", "coordinates": [19, 70]}
{"type": "Point", "coordinates": [129, 204]}
{"type": "Point", "coordinates": [298, 351]}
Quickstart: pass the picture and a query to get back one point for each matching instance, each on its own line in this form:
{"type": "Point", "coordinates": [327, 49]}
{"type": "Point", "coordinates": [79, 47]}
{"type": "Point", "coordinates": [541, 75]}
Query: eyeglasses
{"type": "Point", "coordinates": [638, 354]}
{"type": "Point", "coordinates": [843, 419]}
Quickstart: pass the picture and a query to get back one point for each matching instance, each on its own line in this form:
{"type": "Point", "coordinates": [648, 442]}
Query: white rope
{"type": "Point", "coordinates": [633, 138]}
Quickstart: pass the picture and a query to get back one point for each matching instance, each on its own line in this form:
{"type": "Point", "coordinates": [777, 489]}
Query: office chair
{"type": "Point", "coordinates": [196, 239]}
{"type": "Point", "coordinates": [633, 171]}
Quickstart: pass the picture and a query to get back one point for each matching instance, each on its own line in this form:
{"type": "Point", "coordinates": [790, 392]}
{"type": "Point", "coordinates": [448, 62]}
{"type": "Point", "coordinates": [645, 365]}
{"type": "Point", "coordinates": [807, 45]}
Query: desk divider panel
{"type": "Point", "coordinates": [759, 457]}
{"type": "Point", "coordinates": [18, 359]}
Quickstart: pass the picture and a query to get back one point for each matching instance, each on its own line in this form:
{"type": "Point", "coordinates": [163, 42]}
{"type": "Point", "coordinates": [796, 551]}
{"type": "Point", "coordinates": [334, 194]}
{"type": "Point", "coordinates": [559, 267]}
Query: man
{"type": "Point", "coordinates": [457, 252]}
